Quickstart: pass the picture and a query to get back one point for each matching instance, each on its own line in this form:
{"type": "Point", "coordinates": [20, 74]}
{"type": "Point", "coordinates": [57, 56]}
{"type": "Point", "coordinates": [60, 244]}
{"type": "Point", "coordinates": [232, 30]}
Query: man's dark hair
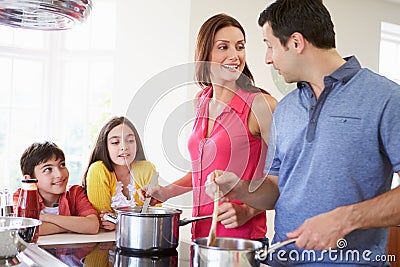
{"type": "Point", "coordinates": [308, 17]}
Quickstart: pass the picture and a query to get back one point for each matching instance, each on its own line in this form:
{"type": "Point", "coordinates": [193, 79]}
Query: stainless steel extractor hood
{"type": "Point", "coordinates": [44, 14]}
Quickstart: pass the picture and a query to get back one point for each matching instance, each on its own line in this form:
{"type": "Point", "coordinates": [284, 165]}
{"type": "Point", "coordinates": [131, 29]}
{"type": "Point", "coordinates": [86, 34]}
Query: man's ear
{"type": "Point", "coordinates": [298, 41]}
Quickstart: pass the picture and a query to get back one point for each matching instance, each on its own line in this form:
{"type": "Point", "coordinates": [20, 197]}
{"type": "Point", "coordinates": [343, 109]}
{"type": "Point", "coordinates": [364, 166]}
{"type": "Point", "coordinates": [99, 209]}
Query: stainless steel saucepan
{"type": "Point", "coordinates": [155, 230]}
{"type": "Point", "coordinates": [232, 252]}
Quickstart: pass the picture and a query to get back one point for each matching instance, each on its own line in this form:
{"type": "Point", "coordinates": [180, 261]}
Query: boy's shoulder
{"type": "Point", "coordinates": [73, 190]}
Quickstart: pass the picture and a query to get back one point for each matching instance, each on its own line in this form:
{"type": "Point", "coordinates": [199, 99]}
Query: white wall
{"type": "Point", "coordinates": [152, 36]}
{"type": "Point", "coordinates": [358, 25]}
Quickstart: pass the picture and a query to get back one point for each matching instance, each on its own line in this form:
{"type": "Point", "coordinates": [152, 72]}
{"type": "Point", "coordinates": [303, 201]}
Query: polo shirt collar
{"type": "Point", "coordinates": [347, 70]}
{"type": "Point", "coordinates": [343, 74]}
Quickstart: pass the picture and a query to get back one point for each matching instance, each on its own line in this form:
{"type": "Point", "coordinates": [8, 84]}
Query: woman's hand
{"type": "Point", "coordinates": [233, 215]}
{"type": "Point", "coordinates": [158, 194]}
{"type": "Point", "coordinates": [106, 224]}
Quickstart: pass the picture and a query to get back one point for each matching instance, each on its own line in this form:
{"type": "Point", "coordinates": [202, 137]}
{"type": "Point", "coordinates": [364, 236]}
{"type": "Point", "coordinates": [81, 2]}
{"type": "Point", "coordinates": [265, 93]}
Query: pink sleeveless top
{"type": "Point", "coordinates": [230, 147]}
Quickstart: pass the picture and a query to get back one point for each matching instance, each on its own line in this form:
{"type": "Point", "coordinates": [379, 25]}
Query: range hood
{"type": "Point", "coordinates": [44, 14]}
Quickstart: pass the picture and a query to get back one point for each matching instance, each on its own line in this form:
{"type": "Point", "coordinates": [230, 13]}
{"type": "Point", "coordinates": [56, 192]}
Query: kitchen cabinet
{"type": "Point", "coordinates": [394, 245]}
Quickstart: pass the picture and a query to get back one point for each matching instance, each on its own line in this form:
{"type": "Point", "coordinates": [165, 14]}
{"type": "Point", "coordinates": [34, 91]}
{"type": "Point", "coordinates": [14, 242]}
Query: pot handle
{"type": "Point", "coordinates": [193, 219]}
{"type": "Point", "coordinates": [261, 254]}
{"type": "Point", "coordinates": [110, 218]}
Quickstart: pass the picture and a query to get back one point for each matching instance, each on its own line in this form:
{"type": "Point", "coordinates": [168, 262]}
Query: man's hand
{"type": "Point", "coordinates": [322, 231]}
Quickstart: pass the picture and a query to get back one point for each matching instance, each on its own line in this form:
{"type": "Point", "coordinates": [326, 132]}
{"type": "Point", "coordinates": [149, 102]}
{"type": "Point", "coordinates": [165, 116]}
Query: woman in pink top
{"type": "Point", "coordinates": [230, 131]}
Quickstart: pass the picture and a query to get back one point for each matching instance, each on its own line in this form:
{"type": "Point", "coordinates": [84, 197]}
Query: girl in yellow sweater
{"type": "Point", "coordinates": [117, 167]}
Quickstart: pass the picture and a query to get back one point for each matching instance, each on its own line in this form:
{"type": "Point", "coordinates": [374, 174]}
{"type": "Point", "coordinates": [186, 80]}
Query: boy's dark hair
{"type": "Point", "coordinates": [308, 17]}
{"type": "Point", "coordinates": [38, 153]}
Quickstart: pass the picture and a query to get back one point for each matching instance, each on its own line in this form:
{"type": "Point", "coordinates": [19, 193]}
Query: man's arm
{"type": "Point", "coordinates": [259, 193]}
{"type": "Point", "coordinates": [324, 230]}
{"type": "Point", "coordinates": [381, 211]}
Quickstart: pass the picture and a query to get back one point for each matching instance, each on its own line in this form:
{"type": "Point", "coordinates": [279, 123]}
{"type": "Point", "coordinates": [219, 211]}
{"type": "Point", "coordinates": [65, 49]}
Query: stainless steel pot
{"type": "Point", "coordinates": [15, 233]}
{"type": "Point", "coordinates": [155, 230]}
{"type": "Point", "coordinates": [232, 252]}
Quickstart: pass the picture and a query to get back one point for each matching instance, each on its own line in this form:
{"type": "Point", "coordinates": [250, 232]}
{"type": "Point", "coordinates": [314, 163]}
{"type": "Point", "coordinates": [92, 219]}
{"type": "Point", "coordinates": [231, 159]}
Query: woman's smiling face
{"type": "Point", "coordinates": [228, 52]}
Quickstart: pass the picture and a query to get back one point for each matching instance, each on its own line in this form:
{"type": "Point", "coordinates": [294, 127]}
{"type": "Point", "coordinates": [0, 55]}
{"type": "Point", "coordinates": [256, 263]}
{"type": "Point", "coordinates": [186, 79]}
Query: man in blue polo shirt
{"type": "Point", "coordinates": [335, 144]}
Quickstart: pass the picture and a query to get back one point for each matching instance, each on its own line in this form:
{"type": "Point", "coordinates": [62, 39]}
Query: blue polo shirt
{"type": "Point", "coordinates": [338, 150]}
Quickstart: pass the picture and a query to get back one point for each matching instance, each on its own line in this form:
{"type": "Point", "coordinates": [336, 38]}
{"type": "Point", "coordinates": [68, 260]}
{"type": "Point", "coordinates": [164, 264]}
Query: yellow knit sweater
{"type": "Point", "coordinates": [102, 184]}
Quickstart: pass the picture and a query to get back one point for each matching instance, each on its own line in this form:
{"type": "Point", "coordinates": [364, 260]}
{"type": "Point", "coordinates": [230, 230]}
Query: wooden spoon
{"type": "Point", "coordinates": [213, 229]}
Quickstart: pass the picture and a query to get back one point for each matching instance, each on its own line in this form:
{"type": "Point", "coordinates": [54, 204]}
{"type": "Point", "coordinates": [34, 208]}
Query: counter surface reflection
{"type": "Point", "coordinates": [107, 254]}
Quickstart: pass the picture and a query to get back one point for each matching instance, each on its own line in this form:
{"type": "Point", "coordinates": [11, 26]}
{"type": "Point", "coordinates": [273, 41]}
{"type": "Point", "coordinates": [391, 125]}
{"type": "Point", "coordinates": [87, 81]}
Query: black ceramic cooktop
{"type": "Point", "coordinates": [107, 254]}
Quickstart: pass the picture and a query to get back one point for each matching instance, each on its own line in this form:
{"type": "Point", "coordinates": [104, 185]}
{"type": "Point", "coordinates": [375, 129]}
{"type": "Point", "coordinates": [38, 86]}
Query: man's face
{"type": "Point", "coordinates": [281, 57]}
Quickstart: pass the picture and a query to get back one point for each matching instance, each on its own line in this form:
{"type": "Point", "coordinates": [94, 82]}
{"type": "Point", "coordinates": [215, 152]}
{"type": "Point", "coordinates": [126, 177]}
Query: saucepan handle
{"type": "Point", "coordinates": [261, 254]}
{"type": "Point", "coordinates": [193, 219]}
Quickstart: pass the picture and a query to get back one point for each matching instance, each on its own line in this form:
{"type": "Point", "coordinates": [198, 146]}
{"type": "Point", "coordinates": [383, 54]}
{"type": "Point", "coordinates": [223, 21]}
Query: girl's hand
{"type": "Point", "coordinates": [106, 224]}
{"type": "Point", "coordinates": [158, 194]}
